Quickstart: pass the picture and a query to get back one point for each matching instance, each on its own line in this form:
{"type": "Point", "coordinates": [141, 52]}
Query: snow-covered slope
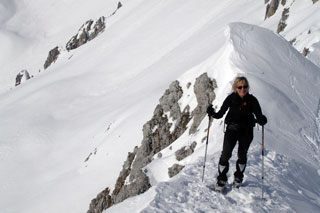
{"type": "Point", "coordinates": [65, 133]}
{"type": "Point", "coordinates": [274, 69]}
{"type": "Point", "coordinates": [29, 29]}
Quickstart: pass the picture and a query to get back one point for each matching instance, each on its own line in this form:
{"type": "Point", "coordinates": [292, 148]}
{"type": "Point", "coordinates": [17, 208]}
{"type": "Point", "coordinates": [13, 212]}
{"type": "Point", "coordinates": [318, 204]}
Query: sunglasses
{"type": "Point", "coordinates": [244, 87]}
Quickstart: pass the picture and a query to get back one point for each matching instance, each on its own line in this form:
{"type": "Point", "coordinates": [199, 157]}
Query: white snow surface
{"type": "Point", "coordinates": [65, 133]}
{"type": "Point", "coordinates": [290, 162]}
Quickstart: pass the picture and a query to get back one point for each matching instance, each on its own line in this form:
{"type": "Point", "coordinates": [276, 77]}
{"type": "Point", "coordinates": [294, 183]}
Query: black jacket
{"type": "Point", "coordinates": [241, 110]}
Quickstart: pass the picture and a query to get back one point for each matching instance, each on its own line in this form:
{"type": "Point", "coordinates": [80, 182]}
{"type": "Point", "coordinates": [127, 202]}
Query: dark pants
{"type": "Point", "coordinates": [233, 134]}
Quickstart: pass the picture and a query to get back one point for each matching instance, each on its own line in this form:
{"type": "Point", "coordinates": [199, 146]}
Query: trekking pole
{"type": "Point", "coordinates": [205, 156]}
{"type": "Point", "coordinates": [262, 172]}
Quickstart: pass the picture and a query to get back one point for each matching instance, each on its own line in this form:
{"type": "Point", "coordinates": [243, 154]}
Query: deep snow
{"type": "Point", "coordinates": [89, 103]}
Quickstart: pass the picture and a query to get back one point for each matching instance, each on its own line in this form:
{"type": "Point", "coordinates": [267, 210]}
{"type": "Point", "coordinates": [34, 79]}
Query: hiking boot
{"type": "Point", "coordinates": [237, 182]}
{"type": "Point", "coordinates": [221, 183]}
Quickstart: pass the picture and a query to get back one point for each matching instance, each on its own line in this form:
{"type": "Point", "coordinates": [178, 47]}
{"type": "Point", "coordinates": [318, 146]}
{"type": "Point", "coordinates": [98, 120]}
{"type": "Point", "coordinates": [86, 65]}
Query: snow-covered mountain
{"type": "Point", "coordinates": [66, 132]}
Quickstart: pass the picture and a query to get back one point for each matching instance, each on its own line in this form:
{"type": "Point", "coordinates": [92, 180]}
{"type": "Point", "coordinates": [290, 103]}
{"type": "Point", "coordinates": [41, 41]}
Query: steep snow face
{"type": "Point", "coordinates": [286, 81]}
{"type": "Point", "coordinates": [272, 66]}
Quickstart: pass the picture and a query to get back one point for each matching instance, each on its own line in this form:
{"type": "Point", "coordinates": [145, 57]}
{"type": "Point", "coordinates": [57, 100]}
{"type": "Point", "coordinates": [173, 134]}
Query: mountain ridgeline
{"type": "Point", "coordinates": [92, 28]}
{"type": "Point", "coordinates": [174, 135]}
{"type": "Point", "coordinates": [87, 32]}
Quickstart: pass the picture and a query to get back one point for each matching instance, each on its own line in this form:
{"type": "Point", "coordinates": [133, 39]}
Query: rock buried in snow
{"type": "Point", "coordinates": [22, 76]}
{"type": "Point", "coordinates": [174, 170]}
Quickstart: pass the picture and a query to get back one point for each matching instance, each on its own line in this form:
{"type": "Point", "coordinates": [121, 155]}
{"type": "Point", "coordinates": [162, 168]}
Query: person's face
{"type": "Point", "coordinates": [242, 88]}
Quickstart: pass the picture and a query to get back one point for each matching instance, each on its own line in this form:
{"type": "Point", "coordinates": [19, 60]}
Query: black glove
{"type": "Point", "coordinates": [263, 120]}
{"type": "Point", "coordinates": [210, 110]}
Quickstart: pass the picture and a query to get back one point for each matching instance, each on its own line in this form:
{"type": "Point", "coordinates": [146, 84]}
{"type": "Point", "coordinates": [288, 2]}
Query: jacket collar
{"type": "Point", "coordinates": [241, 99]}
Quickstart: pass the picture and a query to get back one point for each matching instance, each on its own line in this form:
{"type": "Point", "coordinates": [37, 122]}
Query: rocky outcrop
{"type": "Point", "coordinates": [52, 57]}
{"type": "Point", "coordinates": [22, 76]}
{"type": "Point", "coordinates": [103, 201]}
{"type": "Point", "coordinates": [87, 32]}
{"type": "Point", "coordinates": [118, 7]}
{"type": "Point", "coordinates": [282, 24]}
{"type": "Point", "coordinates": [203, 89]}
{"type": "Point", "coordinates": [314, 1]}
{"type": "Point", "coordinates": [167, 124]}
{"type": "Point", "coordinates": [156, 136]}
{"type": "Point", "coordinates": [174, 170]}
{"type": "Point", "coordinates": [185, 151]}
{"type": "Point", "coordinates": [305, 51]}
{"type": "Point", "coordinates": [126, 186]}
{"type": "Point", "coordinates": [271, 8]}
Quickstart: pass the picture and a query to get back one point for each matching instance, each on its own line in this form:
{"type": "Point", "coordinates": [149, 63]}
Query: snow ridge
{"type": "Point", "coordinates": [286, 190]}
{"type": "Point", "coordinates": [272, 67]}
{"type": "Point", "coordinates": [66, 133]}
{"type": "Point", "coordinates": [187, 193]}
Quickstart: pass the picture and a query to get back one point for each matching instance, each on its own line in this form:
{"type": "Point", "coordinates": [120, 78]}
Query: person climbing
{"type": "Point", "coordinates": [244, 112]}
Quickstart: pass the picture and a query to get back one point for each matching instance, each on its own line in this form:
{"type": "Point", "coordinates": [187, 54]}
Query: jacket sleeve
{"type": "Point", "coordinates": [261, 119]}
{"type": "Point", "coordinates": [225, 106]}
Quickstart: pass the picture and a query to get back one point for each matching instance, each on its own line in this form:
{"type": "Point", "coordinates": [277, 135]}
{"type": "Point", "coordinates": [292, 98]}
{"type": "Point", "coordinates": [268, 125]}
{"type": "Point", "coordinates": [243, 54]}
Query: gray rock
{"type": "Point", "coordinates": [87, 32]}
{"type": "Point", "coordinates": [305, 51]}
{"type": "Point", "coordinates": [52, 57]}
{"type": "Point", "coordinates": [101, 202]}
{"type": "Point", "coordinates": [104, 200]}
{"type": "Point", "coordinates": [22, 76]}
{"type": "Point", "coordinates": [174, 170]}
{"type": "Point", "coordinates": [140, 185]}
{"type": "Point", "coordinates": [118, 7]}
{"type": "Point", "coordinates": [126, 169]}
{"type": "Point", "coordinates": [97, 28]}
{"type": "Point", "coordinates": [158, 133]}
{"type": "Point", "coordinates": [282, 24]}
{"type": "Point", "coordinates": [203, 89]}
{"type": "Point", "coordinates": [272, 8]}
{"type": "Point", "coordinates": [185, 151]}
{"type": "Point", "coordinates": [169, 101]}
